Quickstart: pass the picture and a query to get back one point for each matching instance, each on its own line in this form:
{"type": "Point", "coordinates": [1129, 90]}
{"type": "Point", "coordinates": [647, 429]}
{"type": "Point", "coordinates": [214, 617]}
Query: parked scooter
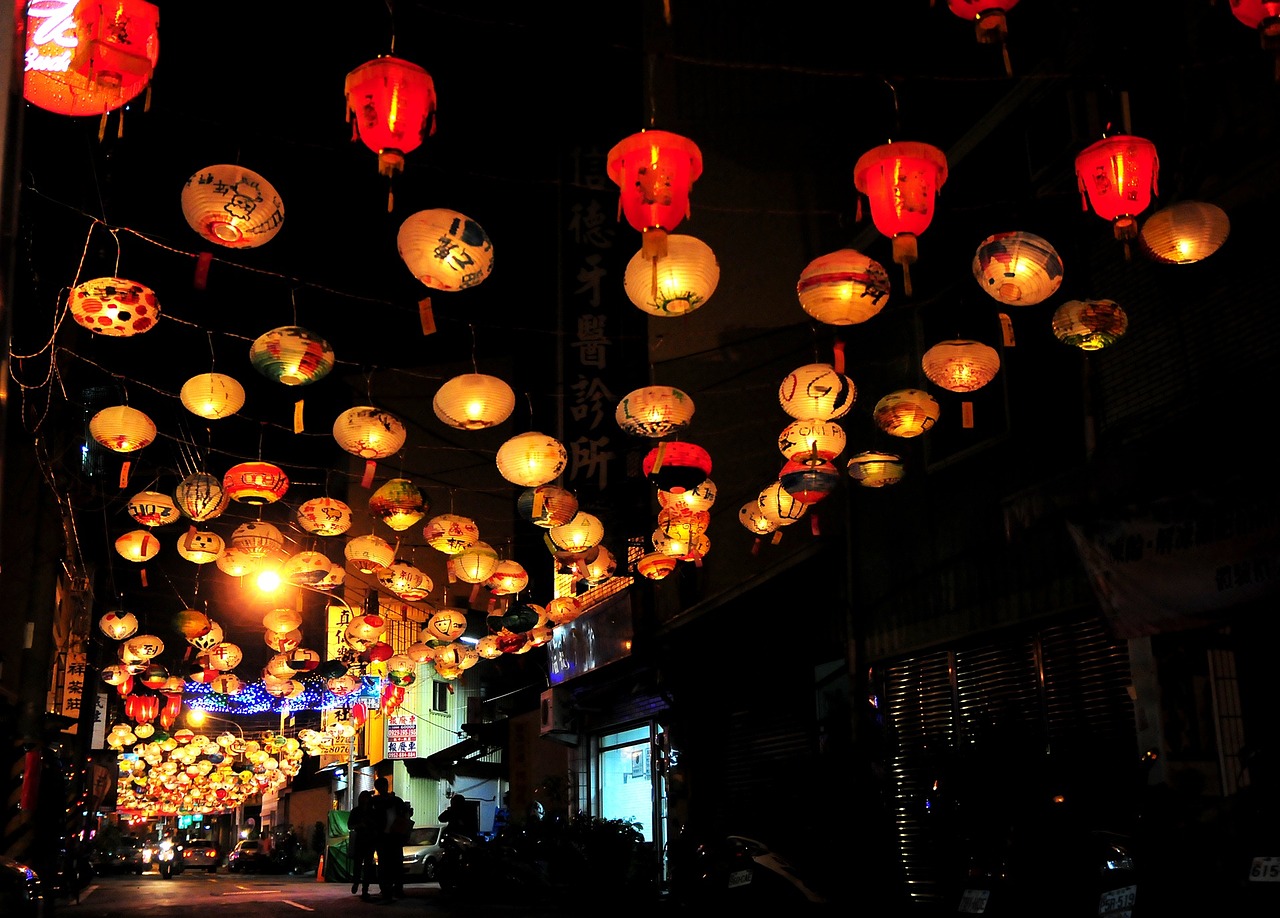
{"type": "Point", "coordinates": [469, 863]}
{"type": "Point", "coordinates": [736, 869]}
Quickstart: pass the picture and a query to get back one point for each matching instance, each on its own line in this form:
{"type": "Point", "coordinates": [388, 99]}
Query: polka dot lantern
{"type": "Point", "coordinates": [114, 307]}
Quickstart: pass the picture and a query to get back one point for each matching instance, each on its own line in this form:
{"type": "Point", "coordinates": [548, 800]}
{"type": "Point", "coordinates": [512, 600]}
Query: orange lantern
{"type": "Point", "coordinates": [391, 104]}
{"type": "Point", "coordinates": [1117, 177]}
{"type": "Point", "coordinates": [406, 581]}
{"type": "Point", "coordinates": [900, 181]}
{"type": "Point", "coordinates": [547, 506]}
{"type": "Point", "coordinates": [122, 429]}
{"type": "Point", "coordinates": [655, 170]}
{"type": "Point", "coordinates": [960, 365]}
{"type": "Point", "coordinates": [255, 483]}
{"type": "Point", "coordinates": [114, 307]}
{"type": "Point", "coordinates": [137, 546]}
{"type": "Point", "coordinates": [89, 58]}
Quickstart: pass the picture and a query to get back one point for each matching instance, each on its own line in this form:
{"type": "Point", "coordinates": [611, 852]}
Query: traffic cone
{"type": "Point", "coordinates": [320, 870]}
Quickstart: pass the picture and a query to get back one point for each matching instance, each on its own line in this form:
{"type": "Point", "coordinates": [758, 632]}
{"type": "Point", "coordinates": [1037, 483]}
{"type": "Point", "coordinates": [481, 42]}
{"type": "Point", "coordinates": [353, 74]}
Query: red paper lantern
{"type": "Point", "coordinates": [677, 464]}
{"type": "Point", "coordinates": [900, 181]}
{"type": "Point", "coordinates": [1117, 177]}
{"type": "Point", "coordinates": [391, 104]}
{"type": "Point", "coordinates": [655, 170]}
{"type": "Point", "coordinates": [89, 58]}
{"type": "Point", "coordinates": [255, 483]}
{"type": "Point", "coordinates": [1264, 17]}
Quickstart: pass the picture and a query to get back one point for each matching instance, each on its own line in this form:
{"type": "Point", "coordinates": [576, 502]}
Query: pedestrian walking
{"type": "Point", "coordinates": [363, 835]}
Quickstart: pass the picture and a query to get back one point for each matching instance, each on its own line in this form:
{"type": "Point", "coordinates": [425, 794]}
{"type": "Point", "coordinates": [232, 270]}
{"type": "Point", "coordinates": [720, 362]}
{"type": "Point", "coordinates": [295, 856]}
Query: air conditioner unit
{"type": "Point", "coordinates": [556, 722]}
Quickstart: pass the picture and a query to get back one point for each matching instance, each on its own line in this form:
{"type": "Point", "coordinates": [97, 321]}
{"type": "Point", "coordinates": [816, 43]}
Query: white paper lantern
{"type": "Point", "coordinates": [960, 365]}
{"type": "Point", "coordinates": [873, 469]}
{"type": "Point", "coordinates": [137, 546]}
{"type": "Point", "coordinates": [232, 206]}
{"type": "Point", "coordinates": [475, 563]}
{"type": "Point", "coordinates": [369, 554]}
{"type": "Point", "coordinates": [200, 547]}
{"type": "Point", "coordinates": [444, 249]}
{"type": "Point", "coordinates": [654, 411]}
{"type": "Point", "coordinates": [816, 390]}
{"type": "Point", "coordinates": [450, 533]}
{"type": "Point", "coordinates": [212, 395]}
{"type": "Point", "coordinates": [906, 412]}
{"type": "Point", "coordinates": [843, 287]}
{"type": "Point", "coordinates": [202, 497]}
{"type": "Point", "coordinates": [151, 508]}
{"type": "Point", "coordinates": [674, 284]}
{"type": "Point", "coordinates": [531, 459]}
{"type": "Point", "coordinates": [368, 432]}
{"type": "Point", "coordinates": [811, 441]}
{"type": "Point", "coordinates": [583, 532]}
{"type": "Point", "coordinates": [780, 506]}
{"type": "Point", "coordinates": [122, 429]}
{"type": "Point", "coordinates": [474, 401]}
{"type": "Point", "coordinates": [257, 538]}
{"type": "Point", "coordinates": [1017, 269]}
{"type": "Point", "coordinates": [324, 516]}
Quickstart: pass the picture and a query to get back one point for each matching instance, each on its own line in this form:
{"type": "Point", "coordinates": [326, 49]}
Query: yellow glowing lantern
{"type": "Point", "coordinates": [212, 395]}
{"type": "Point", "coordinates": [143, 646]}
{"type": "Point", "coordinates": [201, 497]}
{"type": "Point", "coordinates": [531, 459]}
{"type": "Point", "coordinates": [444, 249]}
{"type": "Point", "coordinates": [1183, 233]}
{"type": "Point", "coordinates": [114, 307]}
{"type": "Point", "coordinates": [507, 578]}
{"type": "Point", "coordinates": [257, 538]}
{"type": "Point", "coordinates": [119, 625]}
{"type": "Point", "coordinates": [873, 469]}
{"type": "Point", "coordinates": [398, 503]}
{"type": "Point", "coordinates": [292, 356]}
{"type": "Point", "coordinates": [960, 365]}
{"type": "Point", "coordinates": [122, 429]}
{"type": "Point", "coordinates": [1090, 324]}
{"type": "Point", "coordinates": [369, 554]}
{"type": "Point", "coordinates": [753, 518]}
{"type": "Point", "coordinates": [547, 506]}
{"type": "Point", "coordinates": [682, 525]}
{"type": "Point", "coordinates": [200, 546]}
{"type": "Point", "coordinates": [674, 284]}
{"type": "Point", "coordinates": [367, 627]}
{"type": "Point", "coordinates": [582, 532]}
{"type": "Point", "coordinates": [817, 390]}
{"type": "Point", "coordinates": [138, 546]}
{"type": "Point", "coordinates": [811, 441]}
{"type": "Point", "coordinates": [305, 568]}
{"type": "Point", "coordinates": [209, 639]}
{"type": "Point", "coordinates": [324, 516]}
{"type": "Point", "coordinates": [283, 641]}
{"type": "Point", "coordinates": [564, 609]}
{"type": "Point", "coordinates": [699, 497]}
{"type": "Point", "coordinates": [151, 508]}
{"type": "Point", "coordinates": [255, 483]}
{"type": "Point", "coordinates": [906, 412]}
{"type": "Point", "coordinates": [601, 567]}
{"type": "Point", "coordinates": [654, 411]}
{"type": "Point", "coordinates": [655, 566]}
{"type": "Point", "coordinates": [224, 656]}
{"type": "Point", "coordinates": [844, 287]}
{"type": "Point", "coordinates": [779, 505]}
{"type": "Point", "coordinates": [406, 581]}
{"type": "Point", "coordinates": [446, 625]}
{"type": "Point", "coordinates": [237, 562]}
{"type": "Point", "coordinates": [369, 433]}
{"type": "Point", "coordinates": [474, 401]}
{"type": "Point", "coordinates": [475, 563]}
{"type": "Point", "coordinates": [226, 684]}
{"type": "Point", "coordinates": [1018, 269]}
{"type": "Point", "coordinates": [232, 206]}
{"type": "Point", "coordinates": [450, 533]}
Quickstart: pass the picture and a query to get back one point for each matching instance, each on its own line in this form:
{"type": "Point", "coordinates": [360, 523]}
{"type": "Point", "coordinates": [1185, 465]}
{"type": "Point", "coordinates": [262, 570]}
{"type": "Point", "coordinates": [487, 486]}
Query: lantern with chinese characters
{"type": "Point", "coordinates": [811, 441]}
{"type": "Point", "coordinates": [369, 433]}
{"type": "Point", "coordinates": [255, 483]}
{"type": "Point", "coordinates": [1018, 269]}
{"type": "Point", "coordinates": [906, 412]}
{"type": "Point", "coordinates": [547, 506]}
{"type": "Point", "coordinates": [450, 533]}
{"type": "Point", "coordinates": [446, 625]}
{"type": "Point", "coordinates": [475, 563]}
{"type": "Point", "coordinates": [674, 284]}
{"type": "Point", "coordinates": [808, 482]}
{"type": "Point", "coordinates": [257, 538]}
{"type": "Point", "coordinates": [398, 503]}
{"type": "Point", "coordinates": [137, 546]}
{"type": "Point", "coordinates": [292, 356]}
{"type": "Point", "coordinates": [701, 496]}
{"type": "Point", "coordinates": [508, 577]}
{"type": "Point", "coordinates": [212, 396]}
{"type": "Point", "coordinates": [989, 22]}
{"type": "Point", "coordinates": [201, 497]}
{"type": "Point", "coordinates": [144, 646]}
{"type": "Point", "coordinates": [817, 390]}
{"type": "Point", "coordinates": [369, 554]}
{"type": "Point", "coordinates": [873, 469]}
{"type": "Point", "coordinates": [391, 105]}
{"type": "Point", "coordinates": [474, 401]}
{"type": "Point", "coordinates": [1186, 232]}
{"type": "Point", "coordinates": [114, 307]}
{"type": "Point", "coordinates": [900, 181]}
{"type": "Point", "coordinates": [444, 249]}
{"type": "Point", "coordinates": [324, 516]}
{"type": "Point", "coordinates": [1117, 177]}
{"type": "Point", "coordinates": [654, 411]}
{"type": "Point", "coordinates": [406, 581]}
{"type": "Point", "coordinates": [676, 464]}
{"type": "Point", "coordinates": [1089, 324]}
{"type": "Point", "coordinates": [151, 508]}
{"type": "Point", "coordinates": [960, 365]}
{"type": "Point", "coordinates": [779, 505]}
{"type": "Point", "coordinates": [232, 206]}
{"type": "Point", "coordinates": [582, 532]}
{"type": "Point", "coordinates": [89, 58]}
{"type": "Point", "coordinates": [654, 566]}
{"type": "Point", "coordinates": [655, 171]}
{"type": "Point", "coordinates": [122, 429]}
{"type": "Point", "coordinates": [236, 562]}
{"type": "Point", "coordinates": [844, 287]}
{"type": "Point", "coordinates": [531, 459]}
{"type": "Point", "coordinates": [119, 625]}
{"type": "Point", "coordinates": [200, 547]}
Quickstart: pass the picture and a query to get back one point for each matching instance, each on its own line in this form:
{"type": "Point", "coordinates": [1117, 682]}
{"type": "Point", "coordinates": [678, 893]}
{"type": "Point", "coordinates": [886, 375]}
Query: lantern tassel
{"type": "Point", "coordinates": [1008, 65]}
{"type": "Point", "coordinates": [102, 127]}
{"type": "Point", "coordinates": [146, 102]}
{"type": "Point", "coordinates": [653, 278]}
{"type": "Point", "coordinates": [906, 280]}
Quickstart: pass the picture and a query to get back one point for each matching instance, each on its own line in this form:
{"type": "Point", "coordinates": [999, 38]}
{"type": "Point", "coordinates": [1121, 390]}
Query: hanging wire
{"type": "Point", "coordinates": [474, 367]}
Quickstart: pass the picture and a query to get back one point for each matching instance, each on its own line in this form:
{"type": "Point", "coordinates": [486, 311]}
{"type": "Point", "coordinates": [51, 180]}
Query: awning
{"type": "Point", "coordinates": [459, 759]}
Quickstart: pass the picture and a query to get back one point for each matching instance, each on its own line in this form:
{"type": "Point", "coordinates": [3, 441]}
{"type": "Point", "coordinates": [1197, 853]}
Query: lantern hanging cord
{"type": "Point", "coordinates": [897, 114]}
{"type": "Point", "coordinates": [474, 368]}
{"type": "Point", "coordinates": [213, 356]}
{"type": "Point", "coordinates": [391, 13]}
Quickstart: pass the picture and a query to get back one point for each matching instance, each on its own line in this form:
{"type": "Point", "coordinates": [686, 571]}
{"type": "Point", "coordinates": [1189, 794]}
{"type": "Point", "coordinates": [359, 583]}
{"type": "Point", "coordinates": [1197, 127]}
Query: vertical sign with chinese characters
{"type": "Point", "coordinates": [402, 736]}
{"type": "Point", "coordinates": [73, 686]}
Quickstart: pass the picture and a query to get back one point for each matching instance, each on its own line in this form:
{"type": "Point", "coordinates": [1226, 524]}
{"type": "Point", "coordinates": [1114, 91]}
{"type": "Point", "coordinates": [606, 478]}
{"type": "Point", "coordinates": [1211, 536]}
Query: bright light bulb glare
{"type": "Point", "coordinates": [269, 581]}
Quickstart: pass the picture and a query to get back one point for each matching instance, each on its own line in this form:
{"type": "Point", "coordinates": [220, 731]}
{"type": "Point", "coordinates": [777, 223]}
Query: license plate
{"type": "Point", "coordinates": [974, 901]}
{"type": "Point", "coordinates": [739, 878]}
{"type": "Point", "coordinates": [1118, 903]}
{"type": "Point", "coordinates": [1265, 870]}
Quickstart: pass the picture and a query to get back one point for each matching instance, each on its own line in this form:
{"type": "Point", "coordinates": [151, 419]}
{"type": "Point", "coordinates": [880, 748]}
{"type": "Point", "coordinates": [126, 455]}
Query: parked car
{"type": "Point", "coordinates": [247, 856]}
{"type": "Point", "coordinates": [422, 853]}
{"type": "Point", "coordinates": [125, 856]}
{"type": "Point", "coordinates": [201, 854]}
{"type": "Point", "coordinates": [21, 895]}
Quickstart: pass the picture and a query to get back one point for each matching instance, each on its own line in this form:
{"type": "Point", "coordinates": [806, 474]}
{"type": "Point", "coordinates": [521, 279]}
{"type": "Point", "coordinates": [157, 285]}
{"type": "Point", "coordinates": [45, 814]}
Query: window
{"type": "Point", "coordinates": [440, 698]}
{"type": "Point", "coordinates": [625, 777]}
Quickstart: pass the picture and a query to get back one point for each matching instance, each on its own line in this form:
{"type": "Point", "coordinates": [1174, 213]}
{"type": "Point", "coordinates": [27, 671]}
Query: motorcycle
{"type": "Point", "coordinates": [470, 863]}
{"type": "Point", "coordinates": [167, 858]}
{"type": "Point", "coordinates": [736, 868]}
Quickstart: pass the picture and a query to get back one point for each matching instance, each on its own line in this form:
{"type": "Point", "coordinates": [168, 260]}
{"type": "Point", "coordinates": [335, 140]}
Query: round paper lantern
{"type": "Point", "coordinates": [236, 562]}
{"type": "Point", "coordinates": [305, 568]}
{"type": "Point", "coordinates": [682, 525]}
{"type": "Point", "coordinates": [475, 563]}
{"type": "Point", "coordinates": [292, 356]}
{"type": "Point", "coordinates": [303, 660]}
{"type": "Point", "coordinates": [507, 578]}
{"type": "Point", "coordinates": [655, 171]}
{"type": "Point", "coordinates": [901, 181]}
{"type": "Point", "coordinates": [406, 581]}
{"type": "Point", "coordinates": [601, 567]}
{"type": "Point", "coordinates": [115, 675]}
{"type": "Point", "coordinates": [151, 508]}
{"type": "Point", "coordinates": [531, 459]}
{"type": "Point", "coordinates": [367, 627]}
{"type": "Point", "coordinates": [654, 411]}
{"type": "Point", "coordinates": [281, 665]}
{"type": "Point", "coordinates": [398, 503]}
{"type": "Point", "coordinates": [226, 684]}
{"type": "Point", "coordinates": [212, 396]}
{"type": "Point", "coordinates": [201, 497]}
{"type": "Point", "coordinates": [369, 554]}
{"type": "Point", "coordinates": [780, 506]}
{"type": "Point", "coordinates": [1117, 177]}
{"type": "Point", "coordinates": [119, 625]}
{"type": "Point", "coordinates": [332, 580]}
{"type": "Point", "coordinates": [191, 623]}
{"type": "Point", "coordinates": [255, 483]}
{"type": "Point", "coordinates": [1090, 324]}
{"type": "Point", "coordinates": [807, 482]}
{"type": "Point", "coordinates": [232, 206]}
{"type": "Point", "coordinates": [677, 464]}
{"type": "Point", "coordinates": [420, 652]}
{"type": "Point", "coordinates": [701, 496]}
{"type": "Point", "coordinates": [114, 307]}
{"type": "Point", "coordinates": [1184, 233]}
{"type": "Point", "coordinates": [674, 284]}
{"type": "Point", "coordinates": [401, 670]}
{"type": "Point", "coordinates": [547, 506]}
{"type": "Point", "coordinates": [811, 442]}
{"type": "Point", "coordinates": [257, 538]}
{"type": "Point", "coordinates": [122, 429]}
{"type": "Point", "coordinates": [154, 676]}
{"type": "Point", "coordinates": [906, 412]}
{"type": "Point", "coordinates": [138, 546]}
{"type": "Point", "coordinates": [391, 104]}
{"type": "Point", "coordinates": [200, 547]}
{"type": "Point", "coordinates": [282, 641]}
{"type": "Point", "coordinates": [873, 469]}
{"type": "Point", "coordinates": [450, 533]}
{"type": "Point", "coordinates": [844, 287]}
{"type": "Point", "coordinates": [1018, 269]}
{"type": "Point", "coordinates": [567, 560]}
{"type": "Point", "coordinates": [324, 516]}
{"type": "Point", "coordinates": [487, 647]}
{"type": "Point", "coordinates": [520, 618]}
{"type": "Point", "coordinates": [144, 646]}
{"type": "Point", "coordinates": [816, 390]}
{"type": "Point", "coordinates": [474, 401]}
{"type": "Point", "coordinates": [960, 365]}
{"type": "Point", "coordinates": [582, 532]}
{"type": "Point", "coordinates": [752, 517]}
{"type": "Point", "coordinates": [444, 249]}
{"type": "Point", "coordinates": [89, 58]}
{"type": "Point", "coordinates": [446, 625]}
{"type": "Point", "coordinates": [343, 685]}
{"type": "Point", "coordinates": [209, 639]}
{"type": "Point", "coordinates": [564, 609]}
{"type": "Point", "coordinates": [368, 432]}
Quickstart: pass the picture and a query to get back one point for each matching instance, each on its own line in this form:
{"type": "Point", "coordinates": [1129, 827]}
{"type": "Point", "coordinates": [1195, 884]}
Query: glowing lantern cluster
{"type": "Point", "coordinates": [474, 401]}
{"type": "Point", "coordinates": [843, 287]}
{"type": "Point", "coordinates": [1018, 269]}
{"type": "Point", "coordinates": [1089, 324]}
{"type": "Point", "coordinates": [674, 284]}
{"type": "Point", "coordinates": [114, 307]}
{"type": "Point", "coordinates": [901, 180]}
{"type": "Point", "coordinates": [232, 206]}
{"type": "Point", "coordinates": [444, 249]}
{"type": "Point", "coordinates": [212, 395]}
{"type": "Point", "coordinates": [122, 429]}
{"type": "Point", "coordinates": [1117, 177]}
{"type": "Point", "coordinates": [654, 411]}
{"type": "Point", "coordinates": [960, 365]}
{"type": "Point", "coordinates": [655, 171]}
{"type": "Point", "coordinates": [292, 356]}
